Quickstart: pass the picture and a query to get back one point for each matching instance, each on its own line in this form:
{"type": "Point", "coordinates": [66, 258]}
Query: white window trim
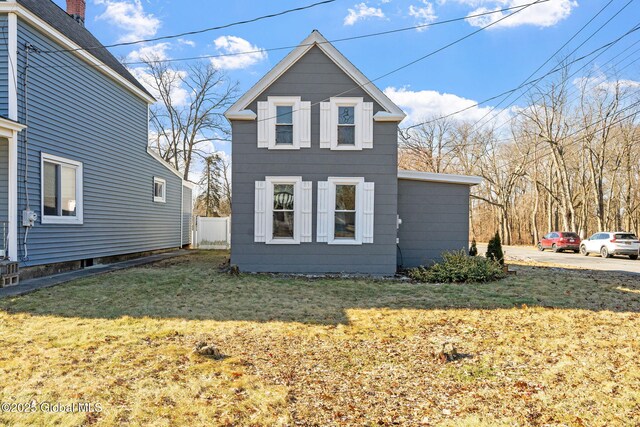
{"type": "Point", "coordinates": [359, 183]}
{"type": "Point", "coordinates": [284, 101]}
{"type": "Point", "coordinates": [163, 198]}
{"type": "Point", "coordinates": [355, 102]}
{"type": "Point", "coordinates": [297, 204]}
{"type": "Point", "coordinates": [78, 219]}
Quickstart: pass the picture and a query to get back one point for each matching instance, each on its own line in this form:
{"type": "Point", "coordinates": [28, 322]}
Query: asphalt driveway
{"type": "Point", "coordinates": [592, 262]}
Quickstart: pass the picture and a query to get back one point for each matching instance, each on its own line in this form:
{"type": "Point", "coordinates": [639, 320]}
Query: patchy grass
{"type": "Point", "coordinates": [545, 347]}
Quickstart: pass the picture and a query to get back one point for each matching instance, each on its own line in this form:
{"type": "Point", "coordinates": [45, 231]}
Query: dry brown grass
{"type": "Point", "coordinates": [545, 347]}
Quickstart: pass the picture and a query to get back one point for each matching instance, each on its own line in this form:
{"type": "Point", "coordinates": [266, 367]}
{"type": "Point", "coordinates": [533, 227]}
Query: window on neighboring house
{"type": "Point", "coordinates": [346, 126]}
{"type": "Point", "coordinates": [345, 211]}
{"type": "Point", "coordinates": [159, 190]}
{"type": "Point", "coordinates": [61, 183]}
{"type": "Point", "coordinates": [284, 125]}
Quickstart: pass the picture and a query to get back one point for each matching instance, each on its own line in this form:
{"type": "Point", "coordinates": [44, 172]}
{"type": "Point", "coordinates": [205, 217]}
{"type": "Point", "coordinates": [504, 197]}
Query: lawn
{"type": "Point", "coordinates": [545, 347]}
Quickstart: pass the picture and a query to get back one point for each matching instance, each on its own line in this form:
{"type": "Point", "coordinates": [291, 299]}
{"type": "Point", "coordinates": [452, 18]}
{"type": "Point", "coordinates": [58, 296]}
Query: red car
{"type": "Point", "coordinates": [559, 241]}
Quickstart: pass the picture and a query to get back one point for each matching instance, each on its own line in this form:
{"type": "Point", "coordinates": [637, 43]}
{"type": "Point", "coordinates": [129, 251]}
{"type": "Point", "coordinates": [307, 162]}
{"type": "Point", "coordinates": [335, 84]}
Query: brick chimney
{"type": "Point", "coordinates": [76, 9]}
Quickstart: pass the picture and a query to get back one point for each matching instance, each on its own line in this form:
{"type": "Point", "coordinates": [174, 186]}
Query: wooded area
{"type": "Point", "coordinates": [569, 160]}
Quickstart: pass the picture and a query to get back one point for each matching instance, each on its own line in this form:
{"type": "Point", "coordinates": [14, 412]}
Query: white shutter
{"type": "Point", "coordinates": [260, 210]}
{"type": "Point", "coordinates": [263, 124]}
{"type": "Point", "coordinates": [323, 212]}
{"type": "Point", "coordinates": [325, 125]}
{"type": "Point", "coordinates": [305, 212]}
{"type": "Point", "coordinates": [367, 212]}
{"type": "Point", "coordinates": [366, 124]}
{"type": "Point", "coordinates": [304, 124]}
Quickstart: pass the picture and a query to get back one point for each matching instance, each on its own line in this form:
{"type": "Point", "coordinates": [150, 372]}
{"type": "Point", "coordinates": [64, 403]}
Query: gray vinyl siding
{"type": "Point", "coordinates": [435, 219]}
{"type": "Point", "coordinates": [78, 113]}
{"type": "Point", "coordinates": [187, 214]}
{"type": "Point", "coordinates": [315, 78]}
{"type": "Point", "coordinates": [4, 67]}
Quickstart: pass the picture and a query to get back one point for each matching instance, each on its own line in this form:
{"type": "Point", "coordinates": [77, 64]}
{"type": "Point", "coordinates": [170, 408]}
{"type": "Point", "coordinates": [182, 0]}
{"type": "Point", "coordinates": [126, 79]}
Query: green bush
{"type": "Point", "coordinates": [494, 249]}
{"type": "Point", "coordinates": [473, 250]}
{"type": "Point", "coordinates": [457, 267]}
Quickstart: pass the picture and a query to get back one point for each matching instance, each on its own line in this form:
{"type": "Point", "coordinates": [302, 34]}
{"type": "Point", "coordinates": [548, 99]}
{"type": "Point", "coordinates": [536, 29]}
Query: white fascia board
{"type": "Point", "coordinates": [189, 184]}
{"type": "Point", "coordinates": [7, 127]}
{"type": "Point", "coordinates": [241, 115]}
{"type": "Point", "coordinates": [439, 177]}
{"type": "Point", "coordinates": [48, 30]}
{"type": "Point", "coordinates": [314, 39]}
{"type": "Point", "coordinates": [163, 162]}
{"type": "Point", "coordinates": [383, 116]}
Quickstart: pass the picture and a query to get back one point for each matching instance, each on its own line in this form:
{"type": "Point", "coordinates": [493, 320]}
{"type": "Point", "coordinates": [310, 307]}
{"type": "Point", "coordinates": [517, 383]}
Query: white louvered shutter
{"type": "Point", "coordinates": [260, 209]}
{"type": "Point", "coordinates": [367, 212]}
{"type": "Point", "coordinates": [263, 124]}
{"type": "Point", "coordinates": [323, 212]}
{"type": "Point", "coordinates": [325, 125]}
{"type": "Point", "coordinates": [304, 124]}
{"type": "Point", "coordinates": [306, 216]}
{"type": "Point", "coordinates": [366, 124]}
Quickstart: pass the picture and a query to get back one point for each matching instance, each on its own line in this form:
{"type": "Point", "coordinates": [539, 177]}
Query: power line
{"type": "Point", "coordinates": [552, 56]}
{"type": "Point", "coordinates": [553, 71]}
{"type": "Point", "coordinates": [205, 30]}
{"type": "Point", "coordinates": [344, 39]}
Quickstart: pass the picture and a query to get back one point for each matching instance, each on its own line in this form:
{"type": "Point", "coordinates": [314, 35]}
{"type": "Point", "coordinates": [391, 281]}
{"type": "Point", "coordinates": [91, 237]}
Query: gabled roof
{"type": "Point", "coordinates": [57, 18]}
{"type": "Point", "coordinates": [392, 112]}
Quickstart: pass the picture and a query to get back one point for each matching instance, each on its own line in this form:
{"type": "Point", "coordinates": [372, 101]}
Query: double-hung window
{"type": "Point", "coordinates": [284, 123]}
{"type": "Point", "coordinates": [61, 184]}
{"type": "Point", "coordinates": [346, 124]}
{"type": "Point", "coordinates": [283, 210]}
{"type": "Point", "coordinates": [345, 211]}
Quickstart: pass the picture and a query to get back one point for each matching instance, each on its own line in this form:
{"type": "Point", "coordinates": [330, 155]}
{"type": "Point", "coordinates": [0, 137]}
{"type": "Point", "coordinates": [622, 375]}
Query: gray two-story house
{"type": "Point", "coordinates": [316, 186]}
{"type": "Point", "coordinates": [77, 182]}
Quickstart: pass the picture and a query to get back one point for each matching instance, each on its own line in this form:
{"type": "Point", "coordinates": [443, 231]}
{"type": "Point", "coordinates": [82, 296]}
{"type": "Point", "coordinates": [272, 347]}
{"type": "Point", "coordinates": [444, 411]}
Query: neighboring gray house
{"type": "Point", "coordinates": [73, 146]}
{"type": "Point", "coordinates": [315, 182]}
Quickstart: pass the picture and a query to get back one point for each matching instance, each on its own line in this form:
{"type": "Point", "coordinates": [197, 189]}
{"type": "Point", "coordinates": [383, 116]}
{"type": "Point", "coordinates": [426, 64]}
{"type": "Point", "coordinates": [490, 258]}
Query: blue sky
{"type": "Point", "coordinates": [490, 62]}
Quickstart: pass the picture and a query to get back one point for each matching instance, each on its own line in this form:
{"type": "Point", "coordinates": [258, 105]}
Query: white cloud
{"type": "Point", "coordinates": [428, 104]}
{"type": "Point", "coordinates": [233, 45]}
{"type": "Point", "coordinates": [540, 15]}
{"type": "Point", "coordinates": [152, 52]}
{"type": "Point", "coordinates": [129, 16]}
{"type": "Point", "coordinates": [362, 11]}
{"type": "Point", "coordinates": [600, 81]}
{"type": "Point", "coordinates": [423, 14]}
{"type": "Point", "coordinates": [186, 42]}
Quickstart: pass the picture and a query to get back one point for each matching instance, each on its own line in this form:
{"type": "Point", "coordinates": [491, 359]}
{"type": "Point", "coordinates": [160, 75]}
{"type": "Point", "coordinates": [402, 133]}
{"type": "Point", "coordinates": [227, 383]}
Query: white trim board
{"type": "Point", "coordinates": [439, 177]}
{"type": "Point", "coordinates": [164, 163]}
{"type": "Point", "coordinates": [238, 110]}
{"type": "Point", "coordinates": [58, 37]}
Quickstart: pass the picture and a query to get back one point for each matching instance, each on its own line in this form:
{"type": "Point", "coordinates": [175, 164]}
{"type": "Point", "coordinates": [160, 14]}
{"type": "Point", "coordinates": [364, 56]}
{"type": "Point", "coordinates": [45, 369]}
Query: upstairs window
{"type": "Point", "coordinates": [346, 124]}
{"type": "Point", "coordinates": [284, 123]}
{"type": "Point", "coordinates": [61, 183]}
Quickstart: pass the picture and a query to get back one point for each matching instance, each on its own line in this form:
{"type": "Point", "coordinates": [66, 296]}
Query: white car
{"type": "Point", "coordinates": [611, 243]}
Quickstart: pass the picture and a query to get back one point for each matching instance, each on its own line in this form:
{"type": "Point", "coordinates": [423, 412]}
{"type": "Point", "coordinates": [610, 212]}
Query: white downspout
{"type": "Point", "coordinates": [12, 203]}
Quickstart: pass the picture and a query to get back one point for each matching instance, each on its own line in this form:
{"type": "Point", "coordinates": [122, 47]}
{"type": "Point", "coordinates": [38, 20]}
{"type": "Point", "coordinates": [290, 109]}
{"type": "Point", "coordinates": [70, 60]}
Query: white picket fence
{"type": "Point", "coordinates": [212, 233]}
